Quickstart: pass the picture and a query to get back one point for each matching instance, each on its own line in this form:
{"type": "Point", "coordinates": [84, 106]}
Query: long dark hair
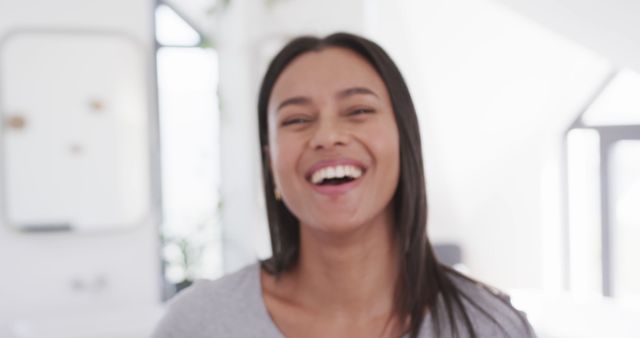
{"type": "Point", "coordinates": [422, 280]}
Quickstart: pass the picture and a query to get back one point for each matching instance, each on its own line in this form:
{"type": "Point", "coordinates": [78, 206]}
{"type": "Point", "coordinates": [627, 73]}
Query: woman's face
{"type": "Point", "coordinates": [333, 140]}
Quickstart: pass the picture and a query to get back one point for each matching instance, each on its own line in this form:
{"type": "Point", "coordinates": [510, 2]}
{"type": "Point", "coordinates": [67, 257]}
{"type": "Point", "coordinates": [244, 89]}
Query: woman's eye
{"type": "Point", "coordinates": [361, 111]}
{"type": "Point", "coordinates": [296, 120]}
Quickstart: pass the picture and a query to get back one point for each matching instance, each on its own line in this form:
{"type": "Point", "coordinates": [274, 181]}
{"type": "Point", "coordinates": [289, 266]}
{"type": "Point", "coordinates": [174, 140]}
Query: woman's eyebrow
{"type": "Point", "coordinates": [354, 91]}
{"type": "Point", "coordinates": [297, 100]}
{"type": "Point", "coordinates": [303, 100]}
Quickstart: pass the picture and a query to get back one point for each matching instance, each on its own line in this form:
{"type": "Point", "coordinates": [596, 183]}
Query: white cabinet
{"type": "Point", "coordinates": [76, 136]}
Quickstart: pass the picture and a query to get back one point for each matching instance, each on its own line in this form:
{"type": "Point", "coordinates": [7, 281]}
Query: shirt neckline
{"type": "Point", "coordinates": [264, 311]}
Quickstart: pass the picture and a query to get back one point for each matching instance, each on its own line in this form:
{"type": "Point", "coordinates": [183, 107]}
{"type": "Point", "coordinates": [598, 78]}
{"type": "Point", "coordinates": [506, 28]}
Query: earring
{"type": "Point", "coordinates": [277, 194]}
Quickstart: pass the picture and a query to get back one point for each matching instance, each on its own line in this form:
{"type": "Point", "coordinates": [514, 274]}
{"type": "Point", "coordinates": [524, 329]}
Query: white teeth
{"type": "Point", "coordinates": [316, 177]}
{"type": "Point", "coordinates": [336, 172]}
{"type": "Point", "coordinates": [331, 172]}
{"type": "Point", "coordinates": [357, 172]}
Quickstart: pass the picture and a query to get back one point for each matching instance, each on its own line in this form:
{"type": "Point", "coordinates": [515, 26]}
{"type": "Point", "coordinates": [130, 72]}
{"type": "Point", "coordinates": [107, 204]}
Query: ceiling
{"type": "Point", "coordinates": [611, 28]}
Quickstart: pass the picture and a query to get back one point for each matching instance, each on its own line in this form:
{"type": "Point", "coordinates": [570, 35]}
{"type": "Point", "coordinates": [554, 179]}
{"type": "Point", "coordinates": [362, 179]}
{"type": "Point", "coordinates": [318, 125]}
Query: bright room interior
{"type": "Point", "coordinates": [129, 161]}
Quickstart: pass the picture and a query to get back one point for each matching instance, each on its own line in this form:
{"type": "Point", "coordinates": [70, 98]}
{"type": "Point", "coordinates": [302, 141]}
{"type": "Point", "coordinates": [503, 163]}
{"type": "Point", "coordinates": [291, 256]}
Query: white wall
{"type": "Point", "coordinates": [610, 28]}
{"type": "Point", "coordinates": [494, 92]}
{"type": "Point", "coordinates": [38, 270]}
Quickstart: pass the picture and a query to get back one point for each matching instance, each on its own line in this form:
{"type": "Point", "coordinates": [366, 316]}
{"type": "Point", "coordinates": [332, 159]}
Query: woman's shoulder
{"type": "Point", "coordinates": [490, 310]}
{"type": "Point", "coordinates": [212, 308]}
{"type": "Point", "coordinates": [233, 285]}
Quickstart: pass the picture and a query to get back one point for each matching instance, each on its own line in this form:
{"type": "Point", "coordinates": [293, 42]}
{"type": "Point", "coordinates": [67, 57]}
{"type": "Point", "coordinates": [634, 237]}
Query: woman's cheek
{"type": "Point", "coordinates": [289, 152]}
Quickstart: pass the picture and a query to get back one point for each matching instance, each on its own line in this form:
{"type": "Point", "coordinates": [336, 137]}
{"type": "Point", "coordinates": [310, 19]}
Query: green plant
{"type": "Point", "coordinates": [183, 251]}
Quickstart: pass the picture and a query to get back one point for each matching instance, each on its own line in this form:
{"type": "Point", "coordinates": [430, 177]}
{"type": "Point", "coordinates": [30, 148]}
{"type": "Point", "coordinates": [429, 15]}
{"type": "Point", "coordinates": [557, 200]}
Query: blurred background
{"type": "Point", "coordinates": [129, 161]}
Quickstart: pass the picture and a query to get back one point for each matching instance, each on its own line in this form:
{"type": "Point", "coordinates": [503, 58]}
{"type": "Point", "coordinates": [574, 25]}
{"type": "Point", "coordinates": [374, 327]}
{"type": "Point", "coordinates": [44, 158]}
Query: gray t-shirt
{"type": "Point", "coordinates": [232, 306]}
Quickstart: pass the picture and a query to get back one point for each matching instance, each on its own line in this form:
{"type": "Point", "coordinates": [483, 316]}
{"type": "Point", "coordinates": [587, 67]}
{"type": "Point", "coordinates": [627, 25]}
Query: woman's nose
{"type": "Point", "coordinates": [328, 134]}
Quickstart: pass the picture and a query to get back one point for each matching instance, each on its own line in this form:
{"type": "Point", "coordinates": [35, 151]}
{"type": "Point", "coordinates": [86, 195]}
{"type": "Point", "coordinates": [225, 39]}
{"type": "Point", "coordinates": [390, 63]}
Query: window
{"type": "Point", "coordinates": [189, 145]}
{"type": "Point", "coordinates": [603, 191]}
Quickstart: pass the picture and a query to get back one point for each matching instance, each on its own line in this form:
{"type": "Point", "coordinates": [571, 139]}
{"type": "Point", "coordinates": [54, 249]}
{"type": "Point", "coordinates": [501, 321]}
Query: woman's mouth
{"type": "Point", "coordinates": [336, 175]}
{"type": "Point", "coordinates": [335, 178]}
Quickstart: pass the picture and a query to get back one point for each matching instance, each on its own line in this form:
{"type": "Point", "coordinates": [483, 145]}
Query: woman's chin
{"type": "Point", "coordinates": [336, 226]}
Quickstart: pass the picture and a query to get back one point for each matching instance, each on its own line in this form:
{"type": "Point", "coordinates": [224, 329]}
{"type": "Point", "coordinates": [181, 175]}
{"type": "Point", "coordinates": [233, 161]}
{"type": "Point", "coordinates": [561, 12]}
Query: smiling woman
{"type": "Point", "coordinates": [346, 203]}
{"type": "Point", "coordinates": [328, 114]}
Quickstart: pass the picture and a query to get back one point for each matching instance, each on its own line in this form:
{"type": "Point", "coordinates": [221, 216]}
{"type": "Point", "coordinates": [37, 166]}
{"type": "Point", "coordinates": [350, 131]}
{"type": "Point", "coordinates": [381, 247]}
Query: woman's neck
{"type": "Point", "coordinates": [350, 275]}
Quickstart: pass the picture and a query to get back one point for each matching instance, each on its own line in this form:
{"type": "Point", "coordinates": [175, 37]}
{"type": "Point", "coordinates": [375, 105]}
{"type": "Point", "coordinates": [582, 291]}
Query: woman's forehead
{"type": "Point", "coordinates": [325, 72]}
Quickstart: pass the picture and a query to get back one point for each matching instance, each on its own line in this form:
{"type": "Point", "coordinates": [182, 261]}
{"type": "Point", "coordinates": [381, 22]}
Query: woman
{"type": "Point", "coordinates": [346, 203]}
